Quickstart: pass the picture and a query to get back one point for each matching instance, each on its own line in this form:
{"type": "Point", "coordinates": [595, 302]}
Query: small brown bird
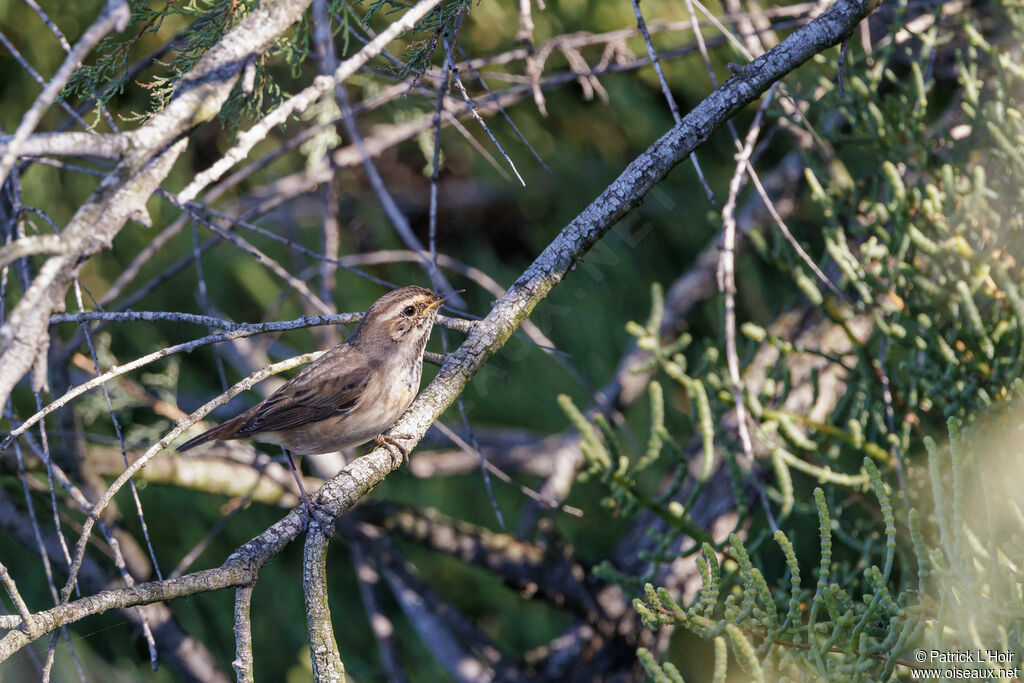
{"type": "Point", "coordinates": [353, 392]}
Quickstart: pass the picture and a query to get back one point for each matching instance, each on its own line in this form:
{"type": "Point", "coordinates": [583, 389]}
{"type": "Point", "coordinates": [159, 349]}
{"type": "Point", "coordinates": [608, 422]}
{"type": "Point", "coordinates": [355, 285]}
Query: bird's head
{"type": "Point", "coordinates": [403, 317]}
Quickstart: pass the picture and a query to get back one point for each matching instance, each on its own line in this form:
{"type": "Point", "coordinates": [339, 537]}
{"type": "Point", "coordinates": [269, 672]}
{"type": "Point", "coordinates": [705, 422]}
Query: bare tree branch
{"type": "Point", "coordinates": [727, 285]}
{"type": "Point", "coordinates": [243, 663]}
{"type": "Point", "coordinates": [323, 648]}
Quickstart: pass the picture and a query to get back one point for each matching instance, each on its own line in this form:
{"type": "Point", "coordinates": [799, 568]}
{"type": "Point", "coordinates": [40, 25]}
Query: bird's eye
{"type": "Point", "coordinates": [409, 311]}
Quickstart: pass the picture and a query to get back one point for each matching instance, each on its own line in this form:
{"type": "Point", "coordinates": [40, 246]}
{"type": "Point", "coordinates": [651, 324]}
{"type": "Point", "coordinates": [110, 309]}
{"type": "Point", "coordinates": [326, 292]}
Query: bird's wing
{"type": "Point", "coordinates": [330, 387]}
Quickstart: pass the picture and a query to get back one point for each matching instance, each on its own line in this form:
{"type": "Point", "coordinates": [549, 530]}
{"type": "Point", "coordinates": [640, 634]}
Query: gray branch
{"type": "Point", "coordinates": [243, 634]}
{"type": "Point", "coordinates": [323, 648]}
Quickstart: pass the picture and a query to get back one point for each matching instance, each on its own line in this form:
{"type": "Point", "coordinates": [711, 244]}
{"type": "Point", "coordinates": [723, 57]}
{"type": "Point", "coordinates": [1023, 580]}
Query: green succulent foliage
{"type": "Point", "coordinates": [960, 597]}
{"type": "Point", "coordinates": [929, 234]}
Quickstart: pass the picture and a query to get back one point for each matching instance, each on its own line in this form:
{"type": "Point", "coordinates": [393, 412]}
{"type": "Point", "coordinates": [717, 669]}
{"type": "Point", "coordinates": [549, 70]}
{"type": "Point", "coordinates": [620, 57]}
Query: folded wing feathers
{"type": "Point", "coordinates": [329, 387]}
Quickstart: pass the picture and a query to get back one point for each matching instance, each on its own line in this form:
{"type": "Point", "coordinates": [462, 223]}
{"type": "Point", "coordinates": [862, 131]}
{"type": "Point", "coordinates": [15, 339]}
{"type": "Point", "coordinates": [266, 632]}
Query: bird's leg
{"type": "Point", "coordinates": [389, 442]}
{"type": "Point", "coordinates": [298, 480]}
{"type": "Point", "coordinates": [313, 509]}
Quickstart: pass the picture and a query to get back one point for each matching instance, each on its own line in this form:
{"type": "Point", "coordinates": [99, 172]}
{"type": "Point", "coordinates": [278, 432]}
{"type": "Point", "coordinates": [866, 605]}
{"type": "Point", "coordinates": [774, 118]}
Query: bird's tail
{"type": "Point", "coordinates": [221, 432]}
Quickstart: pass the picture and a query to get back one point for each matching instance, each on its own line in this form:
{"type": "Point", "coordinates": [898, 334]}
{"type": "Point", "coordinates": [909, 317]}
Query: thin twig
{"type": "Point", "coordinates": [502, 111]}
{"type": "Point", "coordinates": [147, 630]}
{"type": "Point", "coordinates": [667, 92]}
{"type": "Point", "coordinates": [784, 229]}
{"type": "Point", "coordinates": [476, 114]}
{"type": "Point", "coordinates": [296, 284]}
{"type": "Point", "coordinates": [449, 45]}
{"type": "Point", "coordinates": [19, 603]}
{"type": "Point", "coordinates": [474, 450]}
{"type": "Point", "coordinates": [37, 78]}
{"type": "Point", "coordinates": [120, 440]}
{"type": "Point", "coordinates": [727, 285]}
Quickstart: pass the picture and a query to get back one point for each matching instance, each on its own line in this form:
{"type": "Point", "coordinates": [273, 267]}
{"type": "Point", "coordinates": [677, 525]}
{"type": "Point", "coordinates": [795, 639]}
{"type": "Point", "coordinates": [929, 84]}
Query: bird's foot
{"type": "Point", "coordinates": [317, 511]}
{"type": "Point", "coordinates": [399, 453]}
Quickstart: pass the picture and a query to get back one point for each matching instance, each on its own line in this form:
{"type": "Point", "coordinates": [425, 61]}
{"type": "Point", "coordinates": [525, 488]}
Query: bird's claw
{"type": "Point", "coordinates": [317, 511]}
{"type": "Point", "coordinates": [391, 444]}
